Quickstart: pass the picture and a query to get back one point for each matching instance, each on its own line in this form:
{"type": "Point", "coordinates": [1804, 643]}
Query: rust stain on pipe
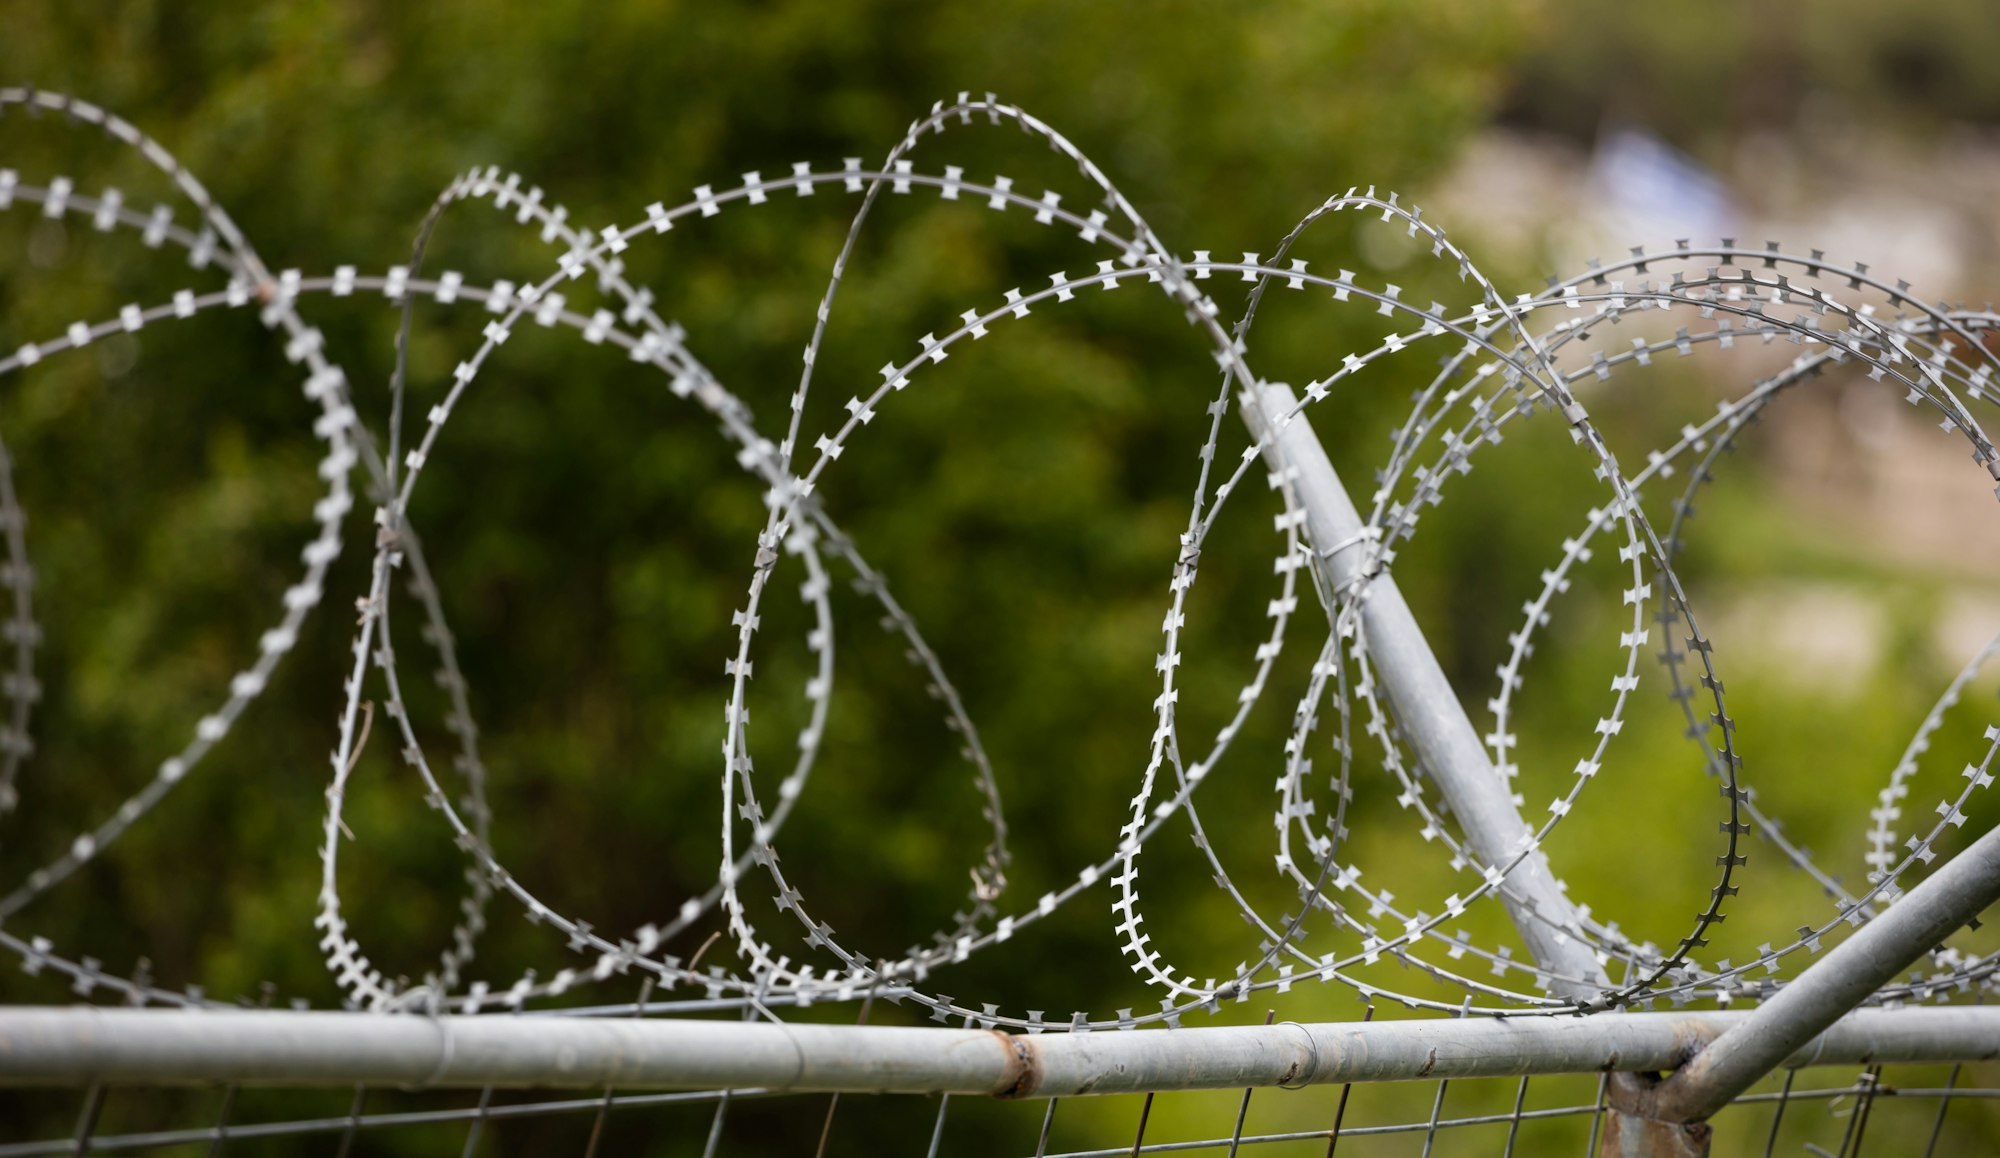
{"type": "Point", "coordinates": [1023, 1075]}
{"type": "Point", "coordinates": [1691, 1036]}
{"type": "Point", "coordinates": [1635, 1096]}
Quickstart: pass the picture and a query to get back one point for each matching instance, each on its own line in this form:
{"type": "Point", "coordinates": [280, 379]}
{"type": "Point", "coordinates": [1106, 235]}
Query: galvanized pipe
{"type": "Point", "coordinates": [1874, 956]}
{"type": "Point", "coordinates": [1428, 709]}
{"type": "Point", "coordinates": [78, 1046]}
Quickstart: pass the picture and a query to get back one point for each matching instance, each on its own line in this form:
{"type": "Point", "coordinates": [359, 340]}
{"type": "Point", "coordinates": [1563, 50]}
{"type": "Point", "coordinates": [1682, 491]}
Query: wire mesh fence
{"type": "Point", "coordinates": [1878, 1109]}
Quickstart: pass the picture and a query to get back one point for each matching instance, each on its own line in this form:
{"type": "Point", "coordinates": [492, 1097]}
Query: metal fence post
{"type": "Point", "coordinates": [1448, 745]}
{"type": "Point", "coordinates": [1840, 981]}
{"type": "Point", "coordinates": [1428, 709]}
{"type": "Point", "coordinates": [1657, 1120]}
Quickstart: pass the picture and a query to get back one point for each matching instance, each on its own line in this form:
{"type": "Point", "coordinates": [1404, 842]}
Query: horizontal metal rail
{"type": "Point", "coordinates": [115, 1046]}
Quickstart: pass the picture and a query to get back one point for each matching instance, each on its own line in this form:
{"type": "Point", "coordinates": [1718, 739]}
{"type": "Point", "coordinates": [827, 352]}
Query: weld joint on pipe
{"type": "Point", "coordinates": [1022, 1075]}
{"type": "Point", "coordinates": [1299, 1078]}
{"type": "Point", "coordinates": [447, 1050]}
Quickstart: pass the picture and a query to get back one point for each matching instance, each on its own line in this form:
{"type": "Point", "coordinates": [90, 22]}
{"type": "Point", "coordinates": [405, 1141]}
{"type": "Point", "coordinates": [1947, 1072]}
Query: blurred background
{"type": "Point", "coordinates": [591, 533]}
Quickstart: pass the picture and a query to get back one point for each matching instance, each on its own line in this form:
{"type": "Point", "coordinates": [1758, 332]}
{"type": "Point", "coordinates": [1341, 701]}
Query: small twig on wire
{"type": "Point", "coordinates": [694, 960]}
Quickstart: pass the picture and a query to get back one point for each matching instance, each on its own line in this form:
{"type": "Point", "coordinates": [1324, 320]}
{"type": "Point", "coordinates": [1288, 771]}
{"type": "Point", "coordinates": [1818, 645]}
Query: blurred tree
{"type": "Point", "coordinates": [589, 530]}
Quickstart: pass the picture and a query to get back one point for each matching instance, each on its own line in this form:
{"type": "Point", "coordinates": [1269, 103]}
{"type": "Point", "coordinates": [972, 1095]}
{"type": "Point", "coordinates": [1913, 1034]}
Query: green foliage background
{"type": "Point", "coordinates": [591, 533]}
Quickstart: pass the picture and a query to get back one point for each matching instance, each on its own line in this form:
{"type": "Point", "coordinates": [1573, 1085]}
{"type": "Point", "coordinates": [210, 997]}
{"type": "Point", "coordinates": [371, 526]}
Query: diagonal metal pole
{"type": "Point", "coordinates": [1450, 750]}
{"type": "Point", "coordinates": [1874, 956]}
{"type": "Point", "coordinates": [1428, 709]}
{"type": "Point", "coordinates": [1448, 746]}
